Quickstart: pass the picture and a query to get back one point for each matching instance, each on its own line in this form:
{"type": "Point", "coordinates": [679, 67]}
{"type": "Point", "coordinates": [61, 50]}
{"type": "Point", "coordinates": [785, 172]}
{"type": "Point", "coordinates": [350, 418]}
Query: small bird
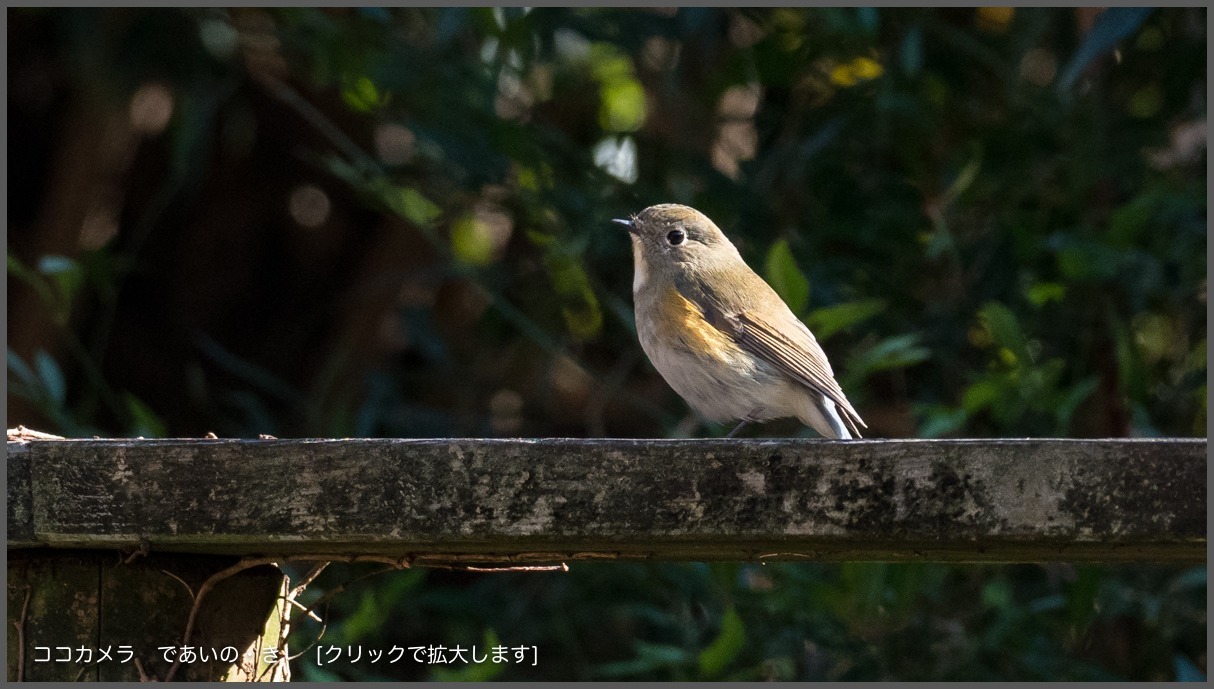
{"type": "Point", "coordinates": [720, 335]}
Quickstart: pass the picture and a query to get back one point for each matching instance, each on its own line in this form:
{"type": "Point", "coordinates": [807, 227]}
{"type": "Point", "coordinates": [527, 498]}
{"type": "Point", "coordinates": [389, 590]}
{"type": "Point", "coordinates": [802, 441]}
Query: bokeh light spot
{"type": "Point", "coordinates": [309, 206]}
{"type": "Point", "coordinates": [994, 19]}
{"type": "Point", "coordinates": [151, 108]}
{"type": "Point", "coordinates": [394, 143]}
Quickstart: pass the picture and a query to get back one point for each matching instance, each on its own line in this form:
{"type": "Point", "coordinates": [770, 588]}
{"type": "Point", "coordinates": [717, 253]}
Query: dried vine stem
{"type": "Point", "coordinates": [143, 675]}
{"type": "Point", "coordinates": [328, 595]}
{"type": "Point", "coordinates": [21, 433]}
{"type": "Point", "coordinates": [20, 625]}
{"type": "Point", "coordinates": [506, 568]}
{"type": "Point", "coordinates": [280, 669]}
{"type": "Point", "coordinates": [308, 579]}
{"type": "Point", "coordinates": [323, 561]}
{"type": "Point", "coordinates": [203, 590]}
{"type": "Point", "coordinates": [304, 610]}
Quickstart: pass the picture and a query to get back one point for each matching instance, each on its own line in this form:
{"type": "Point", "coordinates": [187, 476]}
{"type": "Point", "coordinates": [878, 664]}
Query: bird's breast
{"type": "Point", "coordinates": [680, 324]}
{"type": "Point", "coordinates": [704, 365]}
{"type": "Point", "coordinates": [640, 269]}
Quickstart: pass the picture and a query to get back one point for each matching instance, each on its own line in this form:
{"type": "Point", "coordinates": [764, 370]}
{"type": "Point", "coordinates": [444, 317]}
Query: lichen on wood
{"type": "Point", "coordinates": [478, 500]}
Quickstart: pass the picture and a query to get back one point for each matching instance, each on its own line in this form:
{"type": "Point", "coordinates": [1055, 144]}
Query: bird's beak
{"type": "Point", "coordinates": [626, 223]}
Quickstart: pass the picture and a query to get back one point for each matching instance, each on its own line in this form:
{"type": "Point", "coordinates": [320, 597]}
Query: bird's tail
{"type": "Point", "coordinates": [824, 417]}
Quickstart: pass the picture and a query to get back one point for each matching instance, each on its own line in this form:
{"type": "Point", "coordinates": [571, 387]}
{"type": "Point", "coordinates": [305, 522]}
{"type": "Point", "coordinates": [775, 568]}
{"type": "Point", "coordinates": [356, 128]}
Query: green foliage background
{"type": "Point", "coordinates": [368, 222]}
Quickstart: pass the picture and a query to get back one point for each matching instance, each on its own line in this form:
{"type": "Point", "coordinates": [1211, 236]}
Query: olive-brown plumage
{"type": "Point", "coordinates": [720, 335]}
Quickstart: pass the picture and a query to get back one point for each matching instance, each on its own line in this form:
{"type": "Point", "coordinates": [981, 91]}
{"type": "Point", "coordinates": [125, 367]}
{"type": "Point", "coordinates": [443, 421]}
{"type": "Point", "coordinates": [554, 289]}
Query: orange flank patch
{"type": "Point", "coordinates": [688, 328]}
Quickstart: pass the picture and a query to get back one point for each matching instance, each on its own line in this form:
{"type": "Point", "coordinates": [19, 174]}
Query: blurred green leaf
{"type": "Point", "coordinates": [829, 320]}
{"type": "Point", "coordinates": [899, 351]}
{"type": "Point", "coordinates": [980, 395]}
{"type": "Point", "coordinates": [35, 280]}
{"type": "Point", "coordinates": [855, 71]}
{"type": "Point", "coordinates": [725, 648]}
{"type": "Point", "coordinates": [869, 19]}
{"type": "Point", "coordinates": [472, 241]}
{"type": "Point", "coordinates": [144, 422]}
{"type": "Point", "coordinates": [366, 621]}
{"type": "Point", "coordinates": [1130, 367]}
{"type": "Point", "coordinates": [1194, 577]}
{"type": "Point", "coordinates": [1046, 604]}
{"type": "Point", "coordinates": [415, 207]}
{"type": "Point", "coordinates": [475, 672]}
{"type": "Point", "coordinates": [623, 101]}
{"type": "Point", "coordinates": [314, 673]}
{"type": "Point", "coordinates": [662, 654]}
{"type": "Point", "coordinates": [1187, 670]}
{"type": "Point", "coordinates": [1082, 594]}
{"type": "Point", "coordinates": [1083, 259]}
{"type": "Point", "coordinates": [912, 51]}
{"type": "Point", "coordinates": [580, 305]}
{"type": "Point", "coordinates": [54, 265]}
{"type": "Point", "coordinates": [18, 367]}
{"type": "Point", "coordinates": [863, 585]}
{"type": "Point", "coordinates": [67, 276]}
{"type": "Point", "coordinates": [51, 377]}
{"type": "Point", "coordinates": [362, 95]}
{"type": "Point", "coordinates": [1072, 398]}
{"type": "Point", "coordinates": [941, 420]}
{"type": "Point", "coordinates": [1042, 293]}
{"type": "Point", "coordinates": [623, 106]}
{"type": "Point", "coordinates": [1004, 329]}
{"type": "Point", "coordinates": [649, 657]}
{"type": "Point", "coordinates": [1129, 222]}
{"type": "Point", "coordinates": [1112, 26]}
{"type": "Point", "coordinates": [964, 179]}
{"type": "Point", "coordinates": [785, 277]}
{"type": "Point", "coordinates": [997, 594]}
{"type": "Point", "coordinates": [19, 269]}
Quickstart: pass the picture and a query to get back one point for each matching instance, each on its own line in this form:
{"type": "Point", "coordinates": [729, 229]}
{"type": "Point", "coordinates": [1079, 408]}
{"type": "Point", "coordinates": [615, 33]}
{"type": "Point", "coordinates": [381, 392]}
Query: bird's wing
{"type": "Point", "coordinates": [788, 345]}
{"type": "Point", "coordinates": [795, 351]}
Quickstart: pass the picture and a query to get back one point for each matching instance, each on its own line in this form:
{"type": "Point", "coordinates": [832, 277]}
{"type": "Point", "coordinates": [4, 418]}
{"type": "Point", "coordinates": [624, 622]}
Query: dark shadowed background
{"type": "Point", "coordinates": [396, 223]}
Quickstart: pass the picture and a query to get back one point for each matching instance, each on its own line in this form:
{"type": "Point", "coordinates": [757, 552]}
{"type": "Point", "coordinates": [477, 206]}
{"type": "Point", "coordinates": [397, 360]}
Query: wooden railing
{"type": "Point", "coordinates": [97, 523]}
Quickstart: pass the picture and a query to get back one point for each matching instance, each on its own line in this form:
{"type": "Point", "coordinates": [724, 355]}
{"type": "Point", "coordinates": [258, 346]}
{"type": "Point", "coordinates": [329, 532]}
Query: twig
{"type": "Point", "coordinates": [283, 92]}
{"type": "Point", "coordinates": [269, 666]}
{"type": "Point", "coordinates": [397, 562]}
{"type": "Point", "coordinates": [249, 563]}
{"type": "Point", "coordinates": [308, 579]}
{"type": "Point", "coordinates": [144, 548]}
{"type": "Point", "coordinates": [301, 606]}
{"type": "Point", "coordinates": [324, 626]}
{"type": "Point", "coordinates": [143, 676]}
{"type": "Point", "coordinates": [506, 568]}
{"type": "Point", "coordinates": [203, 590]}
{"type": "Point", "coordinates": [20, 625]}
{"type": "Point", "coordinates": [188, 588]}
{"type": "Point", "coordinates": [328, 595]}
{"type": "Point", "coordinates": [394, 563]}
{"type": "Point", "coordinates": [23, 433]}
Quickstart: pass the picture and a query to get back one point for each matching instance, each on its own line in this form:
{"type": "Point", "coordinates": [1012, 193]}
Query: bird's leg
{"type": "Point", "coordinates": [738, 429]}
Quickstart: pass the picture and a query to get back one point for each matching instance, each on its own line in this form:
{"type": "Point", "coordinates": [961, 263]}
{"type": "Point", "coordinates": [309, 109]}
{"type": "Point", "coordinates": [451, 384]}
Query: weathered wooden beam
{"type": "Point", "coordinates": [556, 500]}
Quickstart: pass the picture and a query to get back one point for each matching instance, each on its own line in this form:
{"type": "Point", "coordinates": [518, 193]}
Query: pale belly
{"type": "Point", "coordinates": [724, 386]}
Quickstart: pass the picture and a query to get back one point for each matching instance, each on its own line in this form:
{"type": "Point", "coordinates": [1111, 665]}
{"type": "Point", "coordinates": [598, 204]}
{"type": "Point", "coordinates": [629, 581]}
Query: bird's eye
{"type": "Point", "coordinates": [675, 237]}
